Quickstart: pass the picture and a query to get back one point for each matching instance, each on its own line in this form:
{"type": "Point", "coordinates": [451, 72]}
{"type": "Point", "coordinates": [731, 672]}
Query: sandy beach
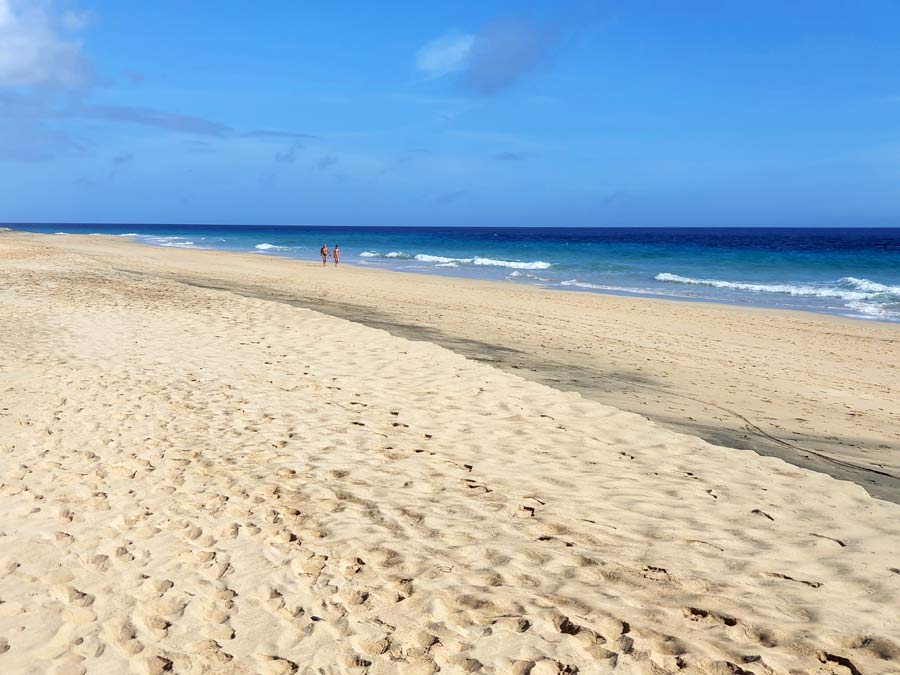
{"type": "Point", "coordinates": [206, 468]}
{"type": "Point", "coordinates": [818, 391]}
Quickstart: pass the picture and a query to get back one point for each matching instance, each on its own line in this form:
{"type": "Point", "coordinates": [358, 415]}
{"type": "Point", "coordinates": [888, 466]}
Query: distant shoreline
{"type": "Point", "coordinates": [14, 225]}
{"type": "Point", "coordinates": [837, 272]}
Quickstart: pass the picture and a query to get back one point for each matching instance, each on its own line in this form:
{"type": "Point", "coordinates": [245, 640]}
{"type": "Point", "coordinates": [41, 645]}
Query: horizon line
{"type": "Point", "coordinates": [13, 225]}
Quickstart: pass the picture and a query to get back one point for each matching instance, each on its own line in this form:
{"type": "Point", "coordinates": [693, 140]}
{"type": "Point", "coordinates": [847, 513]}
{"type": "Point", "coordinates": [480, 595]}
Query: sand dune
{"type": "Point", "coordinates": [200, 482]}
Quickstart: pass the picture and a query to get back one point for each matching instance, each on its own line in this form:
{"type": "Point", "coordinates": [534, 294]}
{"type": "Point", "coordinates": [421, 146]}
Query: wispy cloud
{"type": "Point", "coordinates": [119, 162]}
{"type": "Point", "coordinates": [450, 197]}
{"type": "Point", "coordinates": [406, 157]}
{"type": "Point", "coordinates": [269, 133]}
{"type": "Point", "coordinates": [447, 54]}
{"type": "Point", "coordinates": [49, 82]}
{"type": "Point", "coordinates": [28, 124]}
{"type": "Point", "coordinates": [32, 140]}
{"type": "Point", "coordinates": [148, 117]}
{"type": "Point", "coordinates": [512, 156]}
{"type": "Point", "coordinates": [123, 158]}
{"type": "Point", "coordinates": [75, 20]}
{"type": "Point", "coordinates": [616, 198]}
{"type": "Point", "coordinates": [289, 156]}
{"type": "Point", "coordinates": [493, 59]}
{"type": "Point", "coordinates": [501, 138]}
{"type": "Point", "coordinates": [198, 146]}
{"type": "Point", "coordinates": [160, 119]}
{"type": "Point", "coordinates": [37, 45]}
{"type": "Point", "coordinates": [326, 162]}
{"type": "Point", "coordinates": [502, 53]}
{"type": "Point", "coordinates": [27, 136]}
{"type": "Point", "coordinates": [85, 182]}
{"type": "Point", "coordinates": [543, 100]}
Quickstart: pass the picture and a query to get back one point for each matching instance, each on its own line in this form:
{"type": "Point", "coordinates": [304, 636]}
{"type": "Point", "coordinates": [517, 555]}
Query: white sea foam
{"type": "Point", "coordinates": [786, 289]}
{"type": "Point", "coordinates": [130, 234]}
{"type": "Point", "coordinates": [178, 244]}
{"type": "Point", "coordinates": [869, 310]}
{"type": "Point", "coordinates": [424, 257]}
{"type": "Point", "coordinates": [870, 286]}
{"type": "Point", "coordinates": [598, 287]}
{"type": "Point", "coordinates": [583, 284]}
{"type": "Point", "coordinates": [516, 274]}
{"type": "Point", "coordinates": [514, 264]}
{"type": "Point", "coordinates": [393, 254]}
{"type": "Point", "coordinates": [618, 289]}
{"type": "Point", "coordinates": [865, 298]}
{"type": "Point", "coordinates": [4, 229]}
{"type": "Point", "coordinates": [446, 261]}
{"type": "Point", "coordinates": [489, 262]}
{"type": "Point", "coordinates": [269, 247]}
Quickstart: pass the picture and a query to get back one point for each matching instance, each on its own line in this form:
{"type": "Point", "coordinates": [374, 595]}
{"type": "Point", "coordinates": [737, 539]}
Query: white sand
{"type": "Point", "coordinates": [822, 392]}
{"type": "Point", "coordinates": [201, 482]}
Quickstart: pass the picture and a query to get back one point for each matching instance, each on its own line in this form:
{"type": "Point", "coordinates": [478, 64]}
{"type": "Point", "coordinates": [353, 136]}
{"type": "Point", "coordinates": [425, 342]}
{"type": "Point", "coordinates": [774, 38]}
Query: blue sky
{"type": "Point", "coordinates": [411, 113]}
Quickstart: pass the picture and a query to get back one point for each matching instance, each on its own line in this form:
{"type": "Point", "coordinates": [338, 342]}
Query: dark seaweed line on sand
{"type": "Point", "coordinates": [879, 484]}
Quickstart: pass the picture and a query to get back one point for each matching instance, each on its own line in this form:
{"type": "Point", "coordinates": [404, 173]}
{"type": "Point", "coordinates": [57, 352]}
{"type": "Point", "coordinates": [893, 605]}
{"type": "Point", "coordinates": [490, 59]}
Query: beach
{"type": "Point", "coordinates": [217, 462]}
{"type": "Point", "coordinates": [820, 392]}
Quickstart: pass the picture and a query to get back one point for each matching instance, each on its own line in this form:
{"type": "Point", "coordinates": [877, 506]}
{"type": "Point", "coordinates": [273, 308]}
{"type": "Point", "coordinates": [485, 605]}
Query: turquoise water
{"type": "Point", "coordinates": [851, 272]}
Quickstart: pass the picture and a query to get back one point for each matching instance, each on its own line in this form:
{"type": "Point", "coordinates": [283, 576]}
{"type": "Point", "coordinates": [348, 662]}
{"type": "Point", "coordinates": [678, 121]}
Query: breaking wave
{"type": "Point", "coordinates": [393, 254]}
{"type": "Point", "coordinates": [870, 286]}
{"type": "Point", "coordinates": [863, 297]}
{"type": "Point", "coordinates": [445, 261]}
{"type": "Point", "coordinates": [583, 284]}
{"type": "Point", "coordinates": [514, 264]}
{"type": "Point", "coordinates": [424, 257]}
{"type": "Point", "coordinates": [786, 289]}
{"type": "Point", "coordinates": [516, 274]}
{"type": "Point", "coordinates": [169, 242]}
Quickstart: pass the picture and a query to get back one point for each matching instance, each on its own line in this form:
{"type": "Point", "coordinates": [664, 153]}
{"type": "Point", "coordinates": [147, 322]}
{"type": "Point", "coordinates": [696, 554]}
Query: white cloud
{"type": "Point", "coordinates": [36, 47]}
{"type": "Point", "coordinates": [447, 54]}
{"type": "Point", "coordinates": [72, 20]}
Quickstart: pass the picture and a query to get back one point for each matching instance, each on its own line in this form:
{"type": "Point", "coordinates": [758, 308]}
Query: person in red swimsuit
{"type": "Point", "coordinates": [324, 253]}
{"type": "Point", "coordinates": [336, 254]}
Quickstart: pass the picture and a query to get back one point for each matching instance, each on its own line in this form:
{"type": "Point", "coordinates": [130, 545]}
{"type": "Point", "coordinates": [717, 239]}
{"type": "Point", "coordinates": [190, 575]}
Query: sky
{"type": "Point", "coordinates": [567, 113]}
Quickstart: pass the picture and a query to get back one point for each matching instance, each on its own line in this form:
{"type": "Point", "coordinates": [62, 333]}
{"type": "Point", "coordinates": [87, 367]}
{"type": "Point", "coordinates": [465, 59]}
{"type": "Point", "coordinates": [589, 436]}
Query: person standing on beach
{"type": "Point", "coordinates": [324, 253]}
{"type": "Point", "coordinates": [336, 254]}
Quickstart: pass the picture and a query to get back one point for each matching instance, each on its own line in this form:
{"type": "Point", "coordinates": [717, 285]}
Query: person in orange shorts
{"type": "Point", "coordinates": [336, 254]}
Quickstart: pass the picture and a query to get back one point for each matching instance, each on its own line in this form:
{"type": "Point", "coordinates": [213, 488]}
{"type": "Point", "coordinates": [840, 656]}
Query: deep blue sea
{"type": "Point", "coordinates": [850, 272]}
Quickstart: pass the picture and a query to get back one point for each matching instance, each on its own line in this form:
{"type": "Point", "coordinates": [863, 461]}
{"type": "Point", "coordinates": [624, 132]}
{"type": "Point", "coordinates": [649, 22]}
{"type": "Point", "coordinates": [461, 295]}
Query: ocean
{"type": "Point", "coordinates": [852, 272]}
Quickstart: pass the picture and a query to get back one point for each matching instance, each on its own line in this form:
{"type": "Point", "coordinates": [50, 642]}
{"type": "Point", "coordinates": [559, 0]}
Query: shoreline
{"type": "Point", "coordinates": [658, 379]}
{"type": "Point", "coordinates": [753, 300]}
{"type": "Point", "coordinates": [624, 294]}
